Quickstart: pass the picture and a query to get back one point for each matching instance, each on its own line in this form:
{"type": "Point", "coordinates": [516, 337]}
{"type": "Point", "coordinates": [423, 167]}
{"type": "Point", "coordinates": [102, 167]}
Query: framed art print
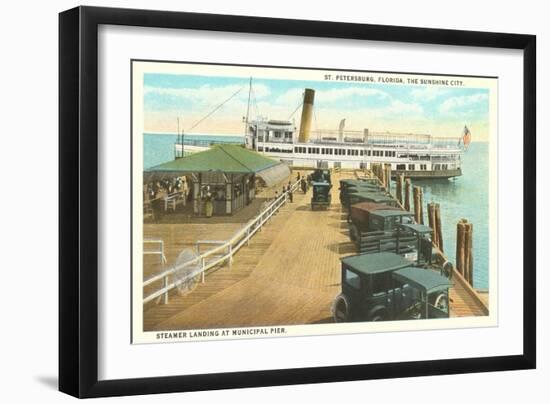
{"type": "Point", "coordinates": [249, 201]}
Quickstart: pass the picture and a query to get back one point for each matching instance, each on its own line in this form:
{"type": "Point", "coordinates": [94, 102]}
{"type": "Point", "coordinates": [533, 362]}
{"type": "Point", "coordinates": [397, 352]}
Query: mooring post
{"type": "Point", "coordinates": [421, 205]}
{"type": "Point", "coordinates": [460, 233]}
{"type": "Point", "coordinates": [388, 177]}
{"type": "Point", "coordinates": [437, 214]}
{"type": "Point", "coordinates": [431, 222]}
{"type": "Point", "coordinates": [468, 256]}
{"type": "Point", "coordinates": [399, 188]}
{"type": "Point", "coordinates": [417, 202]}
{"type": "Point", "coordinates": [407, 203]}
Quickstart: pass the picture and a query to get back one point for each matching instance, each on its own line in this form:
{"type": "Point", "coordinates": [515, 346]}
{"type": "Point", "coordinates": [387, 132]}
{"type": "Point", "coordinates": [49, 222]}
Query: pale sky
{"type": "Point", "coordinates": [439, 111]}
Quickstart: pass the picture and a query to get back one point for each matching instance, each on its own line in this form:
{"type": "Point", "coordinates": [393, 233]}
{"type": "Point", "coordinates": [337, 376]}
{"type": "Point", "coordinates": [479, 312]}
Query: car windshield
{"type": "Point", "coordinates": [352, 279]}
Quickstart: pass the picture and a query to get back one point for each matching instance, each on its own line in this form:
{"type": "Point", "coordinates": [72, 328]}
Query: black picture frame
{"type": "Point", "coordinates": [78, 196]}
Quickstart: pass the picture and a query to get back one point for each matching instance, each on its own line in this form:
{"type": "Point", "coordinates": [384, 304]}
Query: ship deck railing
{"type": "Point", "coordinates": [206, 142]}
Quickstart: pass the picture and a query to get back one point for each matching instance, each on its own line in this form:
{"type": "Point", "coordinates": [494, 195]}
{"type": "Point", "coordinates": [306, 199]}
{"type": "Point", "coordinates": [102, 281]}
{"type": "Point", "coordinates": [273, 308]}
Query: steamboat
{"type": "Point", "coordinates": [414, 155]}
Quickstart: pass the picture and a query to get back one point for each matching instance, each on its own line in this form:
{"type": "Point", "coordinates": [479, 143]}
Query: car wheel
{"type": "Point", "coordinates": [341, 309]}
{"type": "Point", "coordinates": [441, 302]}
{"type": "Point", "coordinates": [379, 316]}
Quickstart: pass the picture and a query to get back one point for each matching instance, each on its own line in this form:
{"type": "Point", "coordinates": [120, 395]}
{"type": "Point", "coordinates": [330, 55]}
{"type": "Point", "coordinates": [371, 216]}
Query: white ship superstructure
{"type": "Point", "coordinates": [418, 156]}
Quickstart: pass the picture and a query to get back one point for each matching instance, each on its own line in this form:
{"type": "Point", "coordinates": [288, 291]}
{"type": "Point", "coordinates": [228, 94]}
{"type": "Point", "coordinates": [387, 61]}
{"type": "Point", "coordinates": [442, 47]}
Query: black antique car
{"type": "Point", "coordinates": [385, 286]}
{"type": "Point", "coordinates": [349, 186]}
{"type": "Point", "coordinates": [359, 195]}
{"type": "Point", "coordinates": [321, 197]}
{"type": "Point", "coordinates": [374, 216]}
{"type": "Point", "coordinates": [320, 175]}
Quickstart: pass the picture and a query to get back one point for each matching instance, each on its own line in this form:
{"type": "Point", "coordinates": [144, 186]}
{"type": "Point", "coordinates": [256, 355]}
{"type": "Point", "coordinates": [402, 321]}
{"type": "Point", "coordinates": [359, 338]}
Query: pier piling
{"type": "Point", "coordinates": [417, 200]}
{"type": "Point", "coordinates": [438, 231]}
{"type": "Point", "coordinates": [431, 221]}
{"type": "Point", "coordinates": [464, 250]}
{"type": "Point", "coordinates": [468, 256]}
{"type": "Point", "coordinates": [434, 221]}
{"type": "Point", "coordinates": [399, 179]}
{"type": "Point", "coordinates": [387, 175]}
{"type": "Point", "coordinates": [460, 232]}
{"type": "Point", "coordinates": [407, 203]}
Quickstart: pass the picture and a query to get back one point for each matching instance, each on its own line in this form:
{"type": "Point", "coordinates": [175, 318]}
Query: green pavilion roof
{"type": "Point", "coordinates": [226, 159]}
{"type": "Point", "coordinates": [233, 159]}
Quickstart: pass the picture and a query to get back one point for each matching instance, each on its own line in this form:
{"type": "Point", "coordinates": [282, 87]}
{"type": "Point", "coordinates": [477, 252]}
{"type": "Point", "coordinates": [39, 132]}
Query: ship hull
{"type": "Point", "coordinates": [432, 174]}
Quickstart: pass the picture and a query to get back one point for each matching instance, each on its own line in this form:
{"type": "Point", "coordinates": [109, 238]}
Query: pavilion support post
{"type": "Point", "coordinates": [228, 196]}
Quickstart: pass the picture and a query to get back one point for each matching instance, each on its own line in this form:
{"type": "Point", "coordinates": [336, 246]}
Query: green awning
{"type": "Point", "coordinates": [376, 263]}
{"type": "Point", "coordinates": [232, 159]}
{"type": "Point", "coordinates": [224, 158]}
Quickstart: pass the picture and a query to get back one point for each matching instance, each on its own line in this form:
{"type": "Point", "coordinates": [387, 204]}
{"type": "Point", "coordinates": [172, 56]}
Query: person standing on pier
{"type": "Point", "coordinates": [185, 190]}
{"type": "Point", "coordinates": [289, 190]}
{"type": "Point", "coordinates": [303, 185]}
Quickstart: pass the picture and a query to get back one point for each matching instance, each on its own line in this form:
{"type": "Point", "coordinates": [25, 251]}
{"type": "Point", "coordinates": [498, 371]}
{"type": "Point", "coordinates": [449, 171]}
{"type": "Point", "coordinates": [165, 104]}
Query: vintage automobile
{"type": "Point", "coordinates": [347, 182]}
{"type": "Point", "coordinates": [320, 175]}
{"type": "Point", "coordinates": [397, 233]}
{"type": "Point", "coordinates": [321, 197]}
{"type": "Point", "coordinates": [374, 216]}
{"type": "Point", "coordinates": [385, 286]}
{"type": "Point", "coordinates": [353, 185]}
{"type": "Point", "coordinates": [356, 196]}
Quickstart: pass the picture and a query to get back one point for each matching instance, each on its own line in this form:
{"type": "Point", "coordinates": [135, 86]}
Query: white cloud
{"type": "Point", "coordinates": [428, 93]}
{"type": "Point", "coordinates": [399, 108]}
{"type": "Point", "coordinates": [209, 95]}
{"type": "Point", "coordinates": [294, 96]}
{"type": "Point", "coordinates": [459, 104]}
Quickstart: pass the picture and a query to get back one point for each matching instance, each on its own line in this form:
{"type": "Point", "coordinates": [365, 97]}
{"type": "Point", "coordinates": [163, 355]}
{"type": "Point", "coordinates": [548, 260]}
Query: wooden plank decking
{"type": "Point", "coordinates": [289, 274]}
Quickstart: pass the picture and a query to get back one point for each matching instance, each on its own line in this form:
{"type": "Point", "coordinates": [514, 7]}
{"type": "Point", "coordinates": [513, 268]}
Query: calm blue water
{"type": "Point", "coordinates": [158, 149]}
{"type": "Point", "coordinates": [464, 197]}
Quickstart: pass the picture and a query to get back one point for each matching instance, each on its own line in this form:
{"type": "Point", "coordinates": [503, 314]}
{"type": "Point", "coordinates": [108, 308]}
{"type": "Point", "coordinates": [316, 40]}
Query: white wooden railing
{"type": "Point", "coordinates": [159, 250]}
{"type": "Point", "coordinates": [222, 252]}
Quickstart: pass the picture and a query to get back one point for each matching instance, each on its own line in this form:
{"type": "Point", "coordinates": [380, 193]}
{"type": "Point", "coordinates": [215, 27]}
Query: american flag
{"type": "Point", "coordinates": [466, 137]}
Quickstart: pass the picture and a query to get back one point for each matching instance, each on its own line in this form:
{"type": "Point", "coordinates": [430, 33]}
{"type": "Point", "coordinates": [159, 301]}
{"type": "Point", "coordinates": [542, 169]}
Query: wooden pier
{"type": "Point", "coordinates": [288, 274]}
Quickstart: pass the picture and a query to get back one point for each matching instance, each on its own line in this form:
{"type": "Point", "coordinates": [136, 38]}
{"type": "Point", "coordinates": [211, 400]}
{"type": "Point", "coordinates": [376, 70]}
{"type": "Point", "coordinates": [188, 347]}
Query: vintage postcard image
{"type": "Point", "coordinates": [276, 202]}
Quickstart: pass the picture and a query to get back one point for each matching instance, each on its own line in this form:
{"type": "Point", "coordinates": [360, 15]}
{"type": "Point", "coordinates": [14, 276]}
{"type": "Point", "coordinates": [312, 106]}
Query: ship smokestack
{"type": "Point", "coordinates": [307, 113]}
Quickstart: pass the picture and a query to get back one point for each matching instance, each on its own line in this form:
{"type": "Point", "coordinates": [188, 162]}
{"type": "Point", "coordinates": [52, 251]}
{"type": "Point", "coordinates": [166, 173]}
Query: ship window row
{"type": "Point", "coordinates": [277, 134]}
{"type": "Point", "coordinates": [274, 149]}
{"type": "Point", "coordinates": [410, 167]}
{"type": "Point", "coordinates": [343, 152]}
